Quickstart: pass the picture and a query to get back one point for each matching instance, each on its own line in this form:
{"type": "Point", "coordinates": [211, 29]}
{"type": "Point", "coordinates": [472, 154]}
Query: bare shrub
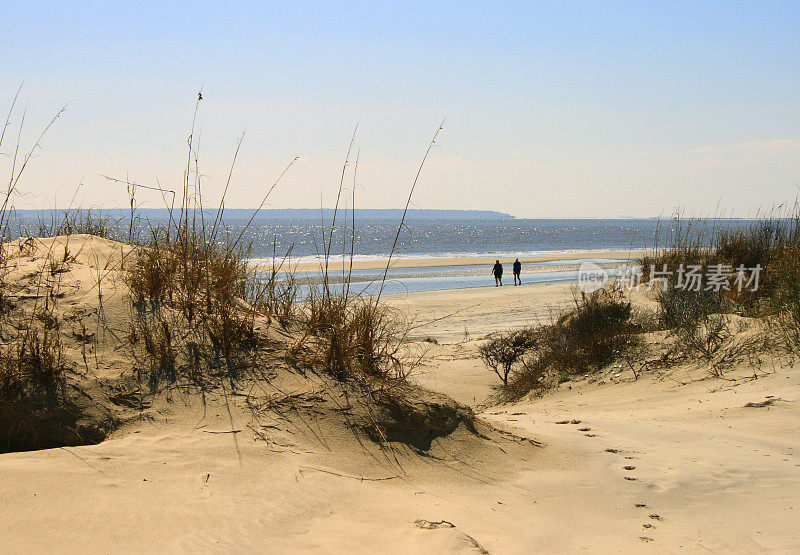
{"type": "Point", "coordinates": [636, 357]}
{"type": "Point", "coordinates": [645, 319]}
{"type": "Point", "coordinates": [536, 373]}
{"type": "Point", "coordinates": [721, 341]}
{"type": "Point", "coordinates": [711, 334]}
{"type": "Point", "coordinates": [684, 308]}
{"type": "Point", "coordinates": [502, 353]}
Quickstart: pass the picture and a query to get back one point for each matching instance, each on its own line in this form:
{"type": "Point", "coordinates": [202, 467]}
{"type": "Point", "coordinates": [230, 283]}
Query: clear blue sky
{"type": "Point", "coordinates": [581, 109]}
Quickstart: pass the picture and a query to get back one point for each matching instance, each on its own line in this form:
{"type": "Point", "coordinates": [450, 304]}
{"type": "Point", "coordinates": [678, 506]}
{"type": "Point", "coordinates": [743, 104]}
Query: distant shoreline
{"type": "Point", "coordinates": [298, 213]}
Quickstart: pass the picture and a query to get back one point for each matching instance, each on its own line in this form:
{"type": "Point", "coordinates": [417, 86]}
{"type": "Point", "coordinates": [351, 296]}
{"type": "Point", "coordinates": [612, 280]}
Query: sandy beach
{"type": "Point", "coordinates": [671, 461]}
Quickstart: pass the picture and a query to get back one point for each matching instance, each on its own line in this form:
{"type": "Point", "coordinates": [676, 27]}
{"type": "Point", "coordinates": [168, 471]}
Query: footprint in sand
{"type": "Point", "coordinates": [584, 429]}
{"type": "Point", "coordinates": [629, 467]}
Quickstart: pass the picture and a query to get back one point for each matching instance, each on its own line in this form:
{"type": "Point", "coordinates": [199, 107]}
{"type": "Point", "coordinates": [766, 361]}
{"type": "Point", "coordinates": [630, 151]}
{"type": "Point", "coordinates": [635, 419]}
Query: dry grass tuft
{"type": "Point", "coordinates": [32, 383]}
{"type": "Point", "coordinates": [32, 366]}
{"type": "Point", "coordinates": [189, 312]}
{"type": "Point", "coordinates": [351, 338]}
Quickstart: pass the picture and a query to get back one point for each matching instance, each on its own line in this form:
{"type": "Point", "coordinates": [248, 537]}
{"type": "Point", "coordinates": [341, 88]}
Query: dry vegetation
{"type": "Point", "coordinates": [598, 331]}
{"type": "Point", "coordinates": [183, 308]}
{"type": "Point", "coordinates": [188, 312]}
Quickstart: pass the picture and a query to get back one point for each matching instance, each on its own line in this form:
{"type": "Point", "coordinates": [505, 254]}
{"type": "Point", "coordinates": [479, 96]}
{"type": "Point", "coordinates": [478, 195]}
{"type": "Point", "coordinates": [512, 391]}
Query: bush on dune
{"type": "Point", "coordinates": [597, 332]}
{"type": "Point", "coordinates": [503, 353]}
{"type": "Point", "coordinates": [759, 244]}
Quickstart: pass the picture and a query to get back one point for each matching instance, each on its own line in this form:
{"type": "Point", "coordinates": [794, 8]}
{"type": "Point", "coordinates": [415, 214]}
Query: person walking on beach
{"type": "Point", "coordinates": [517, 270]}
{"type": "Point", "coordinates": [497, 270]}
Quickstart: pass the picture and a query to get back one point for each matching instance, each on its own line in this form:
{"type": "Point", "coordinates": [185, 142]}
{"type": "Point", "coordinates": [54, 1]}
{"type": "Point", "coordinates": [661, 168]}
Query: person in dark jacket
{"type": "Point", "coordinates": [517, 270]}
{"type": "Point", "coordinates": [497, 270]}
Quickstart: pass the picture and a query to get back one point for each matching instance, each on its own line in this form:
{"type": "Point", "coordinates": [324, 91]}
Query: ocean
{"type": "Point", "coordinates": [454, 238]}
{"type": "Point", "coordinates": [447, 238]}
{"type": "Point", "coordinates": [440, 234]}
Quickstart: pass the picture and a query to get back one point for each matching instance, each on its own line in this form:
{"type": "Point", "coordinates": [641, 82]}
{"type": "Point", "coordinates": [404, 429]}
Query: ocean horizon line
{"type": "Point", "coordinates": [383, 213]}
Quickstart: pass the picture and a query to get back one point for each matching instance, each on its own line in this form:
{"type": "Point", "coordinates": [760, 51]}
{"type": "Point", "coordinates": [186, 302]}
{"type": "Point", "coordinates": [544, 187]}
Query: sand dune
{"type": "Point", "coordinates": [709, 472]}
{"type": "Point", "coordinates": [668, 462]}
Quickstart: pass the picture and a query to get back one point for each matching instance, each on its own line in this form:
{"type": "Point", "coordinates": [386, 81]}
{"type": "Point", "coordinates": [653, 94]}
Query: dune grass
{"type": "Point", "coordinates": [75, 222]}
{"type": "Point", "coordinates": [770, 293]}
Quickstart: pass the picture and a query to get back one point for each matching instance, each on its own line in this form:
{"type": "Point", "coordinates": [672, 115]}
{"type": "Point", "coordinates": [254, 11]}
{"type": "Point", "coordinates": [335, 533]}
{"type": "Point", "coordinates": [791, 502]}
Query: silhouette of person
{"type": "Point", "coordinates": [497, 270]}
{"type": "Point", "coordinates": [517, 270]}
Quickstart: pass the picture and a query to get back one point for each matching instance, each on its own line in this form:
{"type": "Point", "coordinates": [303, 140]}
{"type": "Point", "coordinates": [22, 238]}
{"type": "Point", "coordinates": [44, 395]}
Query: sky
{"type": "Point", "coordinates": [575, 109]}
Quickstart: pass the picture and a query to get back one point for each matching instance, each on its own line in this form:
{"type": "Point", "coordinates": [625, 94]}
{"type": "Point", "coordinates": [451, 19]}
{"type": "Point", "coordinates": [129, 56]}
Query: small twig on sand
{"type": "Point", "coordinates": [87, 463]}
{"type": "Point", "coordinates": [360, 478]}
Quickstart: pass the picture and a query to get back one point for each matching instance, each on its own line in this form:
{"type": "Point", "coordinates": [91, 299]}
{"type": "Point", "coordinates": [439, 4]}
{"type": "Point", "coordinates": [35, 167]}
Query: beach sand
{"type": "Point", "coordinates": [671, 461]}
